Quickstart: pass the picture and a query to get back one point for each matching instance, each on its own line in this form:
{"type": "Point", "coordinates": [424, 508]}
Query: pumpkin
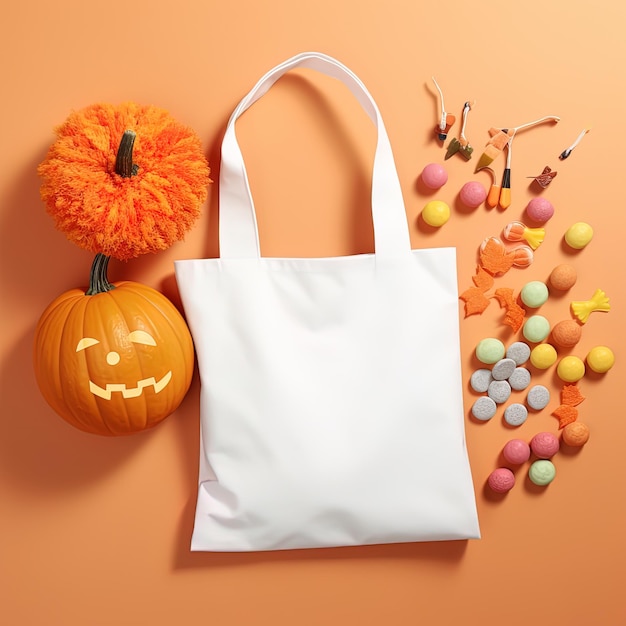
{"type": "Point", "coordinates": [102, 200]}
{"type": "Point", "coordinates": [113, 360]}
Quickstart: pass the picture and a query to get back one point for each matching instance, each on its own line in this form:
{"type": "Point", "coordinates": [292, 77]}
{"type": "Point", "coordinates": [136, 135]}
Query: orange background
{"type": "Point", "coordinates": [95, 531]}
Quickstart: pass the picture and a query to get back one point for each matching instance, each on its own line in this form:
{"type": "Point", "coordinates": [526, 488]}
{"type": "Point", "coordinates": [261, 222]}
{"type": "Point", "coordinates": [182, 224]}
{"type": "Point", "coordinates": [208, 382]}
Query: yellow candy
{"type": "Point", "coordinates": [578, 235]}
{"type": "Point", "coordinates": [570, 369]}
{"type": "Point", "coordinates": [600, 359]}
{"type": "Point", "coordinates": [543, 356]}
{"type": "Point", "coordinates": [436, 213]}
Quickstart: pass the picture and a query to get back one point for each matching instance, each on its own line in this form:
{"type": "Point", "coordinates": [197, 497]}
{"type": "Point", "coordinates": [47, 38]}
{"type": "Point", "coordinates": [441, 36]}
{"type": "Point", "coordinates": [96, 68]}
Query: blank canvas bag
{"type": "Point", "coordinates": [331, 400]}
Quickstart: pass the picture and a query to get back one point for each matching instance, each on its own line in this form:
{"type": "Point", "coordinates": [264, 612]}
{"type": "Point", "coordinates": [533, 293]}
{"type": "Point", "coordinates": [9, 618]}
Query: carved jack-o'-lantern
{"type": "Point", "coordinates": [114, 360]}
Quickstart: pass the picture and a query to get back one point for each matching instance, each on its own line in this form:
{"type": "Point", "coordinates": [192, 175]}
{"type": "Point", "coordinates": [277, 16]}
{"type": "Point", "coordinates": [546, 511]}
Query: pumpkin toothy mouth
{"type": "Point", "coordinates": [133, 392]}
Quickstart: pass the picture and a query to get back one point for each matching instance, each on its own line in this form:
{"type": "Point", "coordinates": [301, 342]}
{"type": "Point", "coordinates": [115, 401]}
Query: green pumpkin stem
{"type": "Point", "coordinates": [124, 165]}
{"type": "Point", "coordinates": [98, 281]}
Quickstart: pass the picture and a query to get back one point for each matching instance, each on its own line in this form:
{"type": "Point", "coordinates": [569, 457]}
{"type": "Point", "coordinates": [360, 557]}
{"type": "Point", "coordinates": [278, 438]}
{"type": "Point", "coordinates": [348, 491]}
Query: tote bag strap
{"type": "Point", "coordinates": [238, 232]}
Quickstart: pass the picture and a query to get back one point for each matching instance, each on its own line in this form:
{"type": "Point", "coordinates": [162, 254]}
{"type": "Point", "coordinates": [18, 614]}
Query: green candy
{"type": "Point", "coordinates": [490, 350]}
{"type": "Point", "coordinates": [534, 294]}
{"type": "Point", "coordinates": [542, 472]}
{"type": "Point", "coordinates": [536, 328]}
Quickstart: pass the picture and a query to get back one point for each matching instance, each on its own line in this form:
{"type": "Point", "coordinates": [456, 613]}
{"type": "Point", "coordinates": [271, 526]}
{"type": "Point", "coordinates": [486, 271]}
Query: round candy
{"type": "Point", "coordinates": [489, 350]}
{"type": "Point", "coordinates": [515, 414]}
{"type": "Point", "coordinates": [600, 359]}
{"type": "Point", "coordinates": [534, 294]}
{"type": "Point", "coordinates": [484, 409]}
{"type": "Point", "coordinates": [501, 480]}
{"type": "Point", "coordinates": [516, 451]}
{"type": "Point", "coordinates": [519, 352]}
{"type": "Point", "coordinates": [570, 369]}
{"type": "Point", "coordinates": [480, 380]}
{"type": "Point", "coordinates": [503, 369]}
{"type": "Point", "coordinates": [473, 194]}
{"type": "Point", "coordinates": [434, 176]}
{"type": "Point", "coordinates": [563, 277]}
{"type": "Point", "coordinates": [540, 210]}
{"type": "Point", "coordinates": [499, 391]}
{"type": "Point", "coordinates": [567, 333]}
{"type": "Point", "coordinates": [536, 328]}
{"type": "Point", "coordinates": [543, 356]}
{"type": "Point", "coordinates": [436, 213]}
{"type": "Point", "coordinates": [519, 379]}
{"type": "Point", "coordinates": [544, 445]}
{"type": "Point", "coordinates": [542, 472]}
{"type": "Point", "coordinates": [538, 397]}
{"type": "Point", "coordinates": [578, 235]}
{"type": "Point", "coordinates": [576, 434]}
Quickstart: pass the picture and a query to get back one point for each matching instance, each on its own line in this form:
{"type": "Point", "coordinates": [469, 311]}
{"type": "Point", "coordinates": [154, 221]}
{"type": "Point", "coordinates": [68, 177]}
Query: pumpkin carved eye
{"type": "Point", "coordinates": [141, 336]}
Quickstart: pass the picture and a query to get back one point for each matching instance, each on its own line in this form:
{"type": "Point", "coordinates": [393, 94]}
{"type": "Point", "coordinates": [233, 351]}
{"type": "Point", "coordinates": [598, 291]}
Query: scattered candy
{"type": "Point", "coordinates": [501, 480]}
{"type": "Point", "coordinates": [542, 472]}
{"type": "Point", "coordinates": [519, 379]}
{"type": "Point", "coordinates": [576, 434]}
{"type": "Point", "coordinates": [578, 235]}
{"type": "Point", "coordinates": [543, 356]}
{"type": "Point", "coordinates": [503, 369]}
{"type": "Point", "coordinates": [583, 309]}
{"type": "Point", "coordinates": [545, 178]}
{"type": "Point", "coordinates": [600, 359]}
{"type": "Point", "coordinates": [540, 210]}
{"type": "Point", "coordinates": [536, 328]}
{"type": "Point", "coordinates": [484, 409]}
{"type": "Point", "coordinates": [472, 194]}
{"type": "Point", "coordinates": [567, 333]}
{"type": "Point", "coordinates": [499, 391]}
{"type": "Point", "coordinates": [480, 379]}
{"type": "Point", "coordinates": [434, 176]}
{"type": "Point", "coordinates": [544, 445]}
{"type": "Point", "coordinates": [538, 397]}
{"type": "Point", "coordinates": [516, 451]}
{"type": "Point", "coordinates": [436, 213]}
{"type": "Point", "coordinates": [515, 414]}
{"type": "Point", "coordinates": [522, 256]}
{"type": "Point", "coordinates": [519, 352]}
{"type": "Point", "coordinates": [534, 294]}
{"type": "Point", "coordinates": [489, 350]}
{"type": "Point", "coordinates": [516, 231]}
{"type": "Point", "coordinates": [570, 369]}
{"type": "Point", "coordinates": [563, 277]}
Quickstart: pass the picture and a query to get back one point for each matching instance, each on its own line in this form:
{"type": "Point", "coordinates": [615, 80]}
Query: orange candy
{"type": "Point", "coordinates": [567, 334]}
{"type": "Point", "coordinates": [576, 434]}
{"type": "Point", "coordinates": [563, 277]}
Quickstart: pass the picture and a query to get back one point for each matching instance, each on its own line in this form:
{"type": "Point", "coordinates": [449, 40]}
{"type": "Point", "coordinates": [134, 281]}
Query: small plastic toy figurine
{"type": "Point", "coordinates": [461, 145]}
{"type": "Point", "coordinates": [446, 120]}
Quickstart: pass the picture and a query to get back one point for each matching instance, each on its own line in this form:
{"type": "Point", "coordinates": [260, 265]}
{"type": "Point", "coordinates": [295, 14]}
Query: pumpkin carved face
{"type": "Point", "coordinates": [115, 362]}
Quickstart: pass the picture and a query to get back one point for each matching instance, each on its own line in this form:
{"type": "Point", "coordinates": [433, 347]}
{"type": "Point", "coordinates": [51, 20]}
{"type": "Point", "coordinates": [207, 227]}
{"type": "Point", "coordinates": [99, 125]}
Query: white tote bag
{"type": "Point", "coordinates": [331, 400]}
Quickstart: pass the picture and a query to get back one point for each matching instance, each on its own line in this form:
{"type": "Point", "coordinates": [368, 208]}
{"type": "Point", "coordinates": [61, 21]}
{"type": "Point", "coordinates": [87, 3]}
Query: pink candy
{"type": "Point", "coordinates": [473, 194]}
{"type": "Point", "coordinates": [516, 451]}
{"type": "Point", "coordinates": [501, 480]}
{"type": "Point", "coordinates": [434, 176]}
{"type": "Point", "coordinates": [540, 210]}
{"type": "Point", "coordinates": [544, 445]}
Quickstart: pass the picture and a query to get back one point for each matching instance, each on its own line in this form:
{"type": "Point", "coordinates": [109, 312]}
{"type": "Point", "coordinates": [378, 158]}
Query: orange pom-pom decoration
{"type": "Point", "coordinates": [124, 180]}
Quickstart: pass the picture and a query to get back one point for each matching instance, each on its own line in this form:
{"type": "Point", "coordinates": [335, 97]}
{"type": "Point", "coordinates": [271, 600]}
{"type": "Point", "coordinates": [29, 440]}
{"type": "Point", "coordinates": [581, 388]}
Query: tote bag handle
{"type": "Point", "coordinates": [238, 232]}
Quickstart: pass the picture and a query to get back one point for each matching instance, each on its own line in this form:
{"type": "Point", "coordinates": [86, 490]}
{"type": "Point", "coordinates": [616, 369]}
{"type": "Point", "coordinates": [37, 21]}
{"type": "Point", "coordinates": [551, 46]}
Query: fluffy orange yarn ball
{"type": "Point", "coordinates": [123, 215]}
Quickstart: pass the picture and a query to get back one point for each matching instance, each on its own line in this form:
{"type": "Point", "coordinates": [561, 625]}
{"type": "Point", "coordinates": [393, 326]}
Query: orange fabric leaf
{"type": "Point", "coordinates": [495, 259]}
{"type": "Point", "coordinates": [514, 315]}
{"type": "Point", "coordinates": [571, 396]}
{"type": "Point", "coordinates": [483, 280]}
{"type": "Point", "coordinates": [566, 415]}
{"type": "Point", "coordinates": [475, 301]}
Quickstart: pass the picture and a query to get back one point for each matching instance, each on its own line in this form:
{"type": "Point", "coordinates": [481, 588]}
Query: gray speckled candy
{"type": "Point", "coordinates": [503, 369]}
{"type": "Point", "coordinates": [519, 379]}
{"type": "Point", "coordinates": [480, 380]}
{"type": "Point", "coordinates": [515, 414]}
{"type": "Point", "coordinates": [519, 352]}
{"type": "Point", "coordinates": [484, 409]}
{"type": "Point", "coordinates": [538, 397]}
{"type": "Point", "coordinates": [499, 391]}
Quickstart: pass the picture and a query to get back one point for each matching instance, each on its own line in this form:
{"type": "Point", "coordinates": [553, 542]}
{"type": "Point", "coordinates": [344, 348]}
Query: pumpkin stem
{"type": "Point", "coordinates": [124, 165]}
{"type": "Point", "coordinates": [98, 281]}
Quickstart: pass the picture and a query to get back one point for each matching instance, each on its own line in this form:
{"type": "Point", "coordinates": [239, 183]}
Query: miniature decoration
{"type": "Point", "coordinates": [545, 178]}
{"type": "Point", "coordinates": [461, 145]}
{"type": "Point", "coordinates": [446, 120]}
{"type": "Point", "coordinates": [568, 151]}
